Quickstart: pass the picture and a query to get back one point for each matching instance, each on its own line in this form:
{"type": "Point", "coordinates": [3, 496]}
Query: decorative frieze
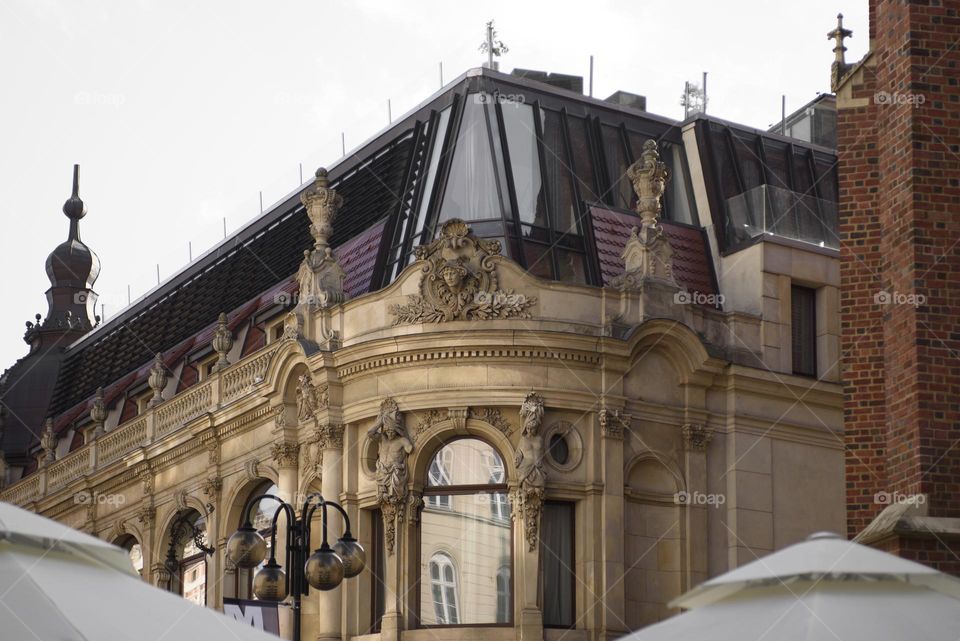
{"type": "Point", "coordinates": [527, 498]}
{"type": "Point", "coordinates": [696, 436]}
{"type": "Point", "coordinates": [392, 470]}
{"type": "Point", "coordinates": [211, 487]}
{"type": "Point", "coordinates": [493, 416]}
{"type": "Point", "coordinates": [459, 281]}
{"type": "Point", "coordinates": [428, 420]}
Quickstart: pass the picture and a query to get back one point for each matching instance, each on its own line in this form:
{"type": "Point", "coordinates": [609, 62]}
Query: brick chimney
{"type": "Point", "coordinates": [898, 129]}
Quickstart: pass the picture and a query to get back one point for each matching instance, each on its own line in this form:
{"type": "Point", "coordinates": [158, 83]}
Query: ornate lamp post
{"type": "Point", "coordinates": [322, 570]}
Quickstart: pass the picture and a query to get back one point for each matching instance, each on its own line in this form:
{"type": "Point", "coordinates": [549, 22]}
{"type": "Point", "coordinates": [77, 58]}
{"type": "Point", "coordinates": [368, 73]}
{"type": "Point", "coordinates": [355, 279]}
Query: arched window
{"type": "Point", "coordinates": [443, 588]}
{"type": "Point", "coordinates": [132, 546]}
{"type": "Point", "coordinates": [465, 538]}
{"type": "Point", "coordinates": [262, 520]}
{"type": "Point", "coordinates": [187, 558]}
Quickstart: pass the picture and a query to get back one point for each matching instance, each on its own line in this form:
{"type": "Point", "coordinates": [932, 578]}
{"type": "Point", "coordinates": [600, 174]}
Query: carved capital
{"type": "Point", "coordinates": [146, 515]}
{"type": "Point", "coordinates": [211, 487]}
{"type": "Point", "coordinates": [331, 436]}
{"type": "Point", "coordinates": [285, 454]}
{"type": "Point", "coordinates": [696, 436]}
{"type": "Point", "coordinates": [613, 423]}
{"type": "Point", "coordinates": [459, 282]}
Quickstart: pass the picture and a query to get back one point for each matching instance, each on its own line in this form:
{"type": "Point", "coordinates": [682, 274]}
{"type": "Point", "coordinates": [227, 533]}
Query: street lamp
{"type": "Point", "coordinates": [323, 570]}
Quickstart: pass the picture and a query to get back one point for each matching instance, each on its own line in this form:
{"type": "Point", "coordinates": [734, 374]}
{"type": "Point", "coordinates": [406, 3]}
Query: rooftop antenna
{"type": "Point", "coordinates": [389, 112]}
{"type": "Point", "coordinates": [158, 273]}
{"type": "Point", "coordinates": [261, 201]}
{"type": "Point", "coordinates": [591, 75]}
{"type": "Point", "coordinates": [301, 174]}
{"type": "Point", "coordinates": [783, 115]}
{"type": "Point", "coordinates": [441, 74]}
{"type": "Point", "coordinates": [705, 100]}
{"type": "Point", "coordinates": [343, 144]}
{"type": "Point", "coordinates": [493, 47]}
{"type": "Point", "coordinates": [190, 249]}
{"type": "Point", "coordinates": [103, 313]}
{"type": "Point", "coordinates": [224, 227]}
{"type": "Point", "coordinates": [128, 295]}
{"type": "Point", "coordinates": [694, 98]}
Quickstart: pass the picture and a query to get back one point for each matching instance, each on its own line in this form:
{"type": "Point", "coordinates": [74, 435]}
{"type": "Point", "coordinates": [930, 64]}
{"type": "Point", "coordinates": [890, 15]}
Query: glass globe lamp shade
{"type": "Point", "coordinates": [352, 554]}
{"type": "Point", "coordinates": [324, 569]}
{"type": "Point", "coordinates": [270, 583]}
{"type": "Point", "coordinates": [246, 548]}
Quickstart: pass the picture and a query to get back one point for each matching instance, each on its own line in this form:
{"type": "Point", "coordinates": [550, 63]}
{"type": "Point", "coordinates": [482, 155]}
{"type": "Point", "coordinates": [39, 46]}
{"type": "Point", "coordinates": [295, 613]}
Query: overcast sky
{"type": "Point", "coordinates": [179, 114]}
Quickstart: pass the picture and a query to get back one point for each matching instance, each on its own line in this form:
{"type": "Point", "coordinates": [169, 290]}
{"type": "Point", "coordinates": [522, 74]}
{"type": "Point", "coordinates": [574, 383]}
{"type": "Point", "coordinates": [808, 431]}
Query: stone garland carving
{"type": "Point", "coordinates": [310, 398]}
{"type": "Point", "coordinates": [527, 498]}
{"type": "Point", "coordinates": [392, 470]}
{"type": "Point", "coordinates": [211, 487]}
{"type": "Point", "coordinates": [493, 416]}
{"type": "Point", "coordinates": [647, 254]}
{"type": "Point", "coordinates": [213, 451]}
{"type": "Point", "coordinates": [146, 515]}
{"type": "Point", "coordinates": [428, 420]}
{"type": "Point", "coordinates": [285, 454]}
{"type": "Point", "coordinates": [321, 276]}
{"type": "Point", "coordinates": [145, 474]}
{"type": "Point", "coordinates": [613, 423]}
{"type": "Point", "coordinates": [696, 436]}
{"type": "Point", "coordinates": [459, 281]}
{"type": "Point", "coordinates": [279, 417]}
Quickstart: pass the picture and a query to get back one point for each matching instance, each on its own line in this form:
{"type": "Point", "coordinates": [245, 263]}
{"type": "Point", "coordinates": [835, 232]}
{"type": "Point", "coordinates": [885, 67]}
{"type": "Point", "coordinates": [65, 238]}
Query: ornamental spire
{"type": "Point", "coordinates": [839, 67]}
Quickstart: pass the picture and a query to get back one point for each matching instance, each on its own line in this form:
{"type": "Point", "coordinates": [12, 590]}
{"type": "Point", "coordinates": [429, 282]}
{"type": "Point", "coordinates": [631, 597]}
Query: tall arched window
{"type": "Point", "coordinates": [262, 520]}
{"type": "Point", "coordinates": [465, 538]}
{"type": "Point", "coordinates": [443, 588]}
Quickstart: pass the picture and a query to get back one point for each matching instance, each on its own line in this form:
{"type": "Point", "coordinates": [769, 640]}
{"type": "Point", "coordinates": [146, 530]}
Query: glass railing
{"type": "Point", "coordinates": [768, 210]}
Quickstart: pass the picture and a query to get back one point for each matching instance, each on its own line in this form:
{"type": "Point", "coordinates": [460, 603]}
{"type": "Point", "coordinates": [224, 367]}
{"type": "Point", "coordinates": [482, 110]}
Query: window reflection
{"type": "Point", "coordinates": [524, 162]}
{"type": "Point", "coordinates": [556, 174]}
{"type": "Point", "coordinates": [620, 193]}
{"type": "Point", "coordinates": [465, 537]}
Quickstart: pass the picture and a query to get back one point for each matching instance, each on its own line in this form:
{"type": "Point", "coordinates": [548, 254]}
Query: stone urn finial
{"type": "Point", "coordinates": [157, 380]}
{"type": "Point", "coordinates": [649, 176]}
{"type": "Point", "coordinates": [98, 413]}
{"type": "Point", "coordinates": [222, 342]}
{"type": "Point", "coordinates": [320, 275]}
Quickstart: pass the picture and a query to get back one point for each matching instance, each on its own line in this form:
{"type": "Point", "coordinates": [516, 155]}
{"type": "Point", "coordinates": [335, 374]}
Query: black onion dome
{"type": "Point", "coordinates": [73, 264]}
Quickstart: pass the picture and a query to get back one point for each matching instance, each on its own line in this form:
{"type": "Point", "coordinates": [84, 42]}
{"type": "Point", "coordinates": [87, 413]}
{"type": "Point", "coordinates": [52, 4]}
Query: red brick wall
{"type": "Point", "coordinates": [900, 234]}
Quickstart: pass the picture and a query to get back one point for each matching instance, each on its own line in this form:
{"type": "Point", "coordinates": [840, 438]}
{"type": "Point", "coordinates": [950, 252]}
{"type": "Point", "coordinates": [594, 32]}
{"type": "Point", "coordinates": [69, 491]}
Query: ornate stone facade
{"type": "Point", "coordinates": [392, 468]}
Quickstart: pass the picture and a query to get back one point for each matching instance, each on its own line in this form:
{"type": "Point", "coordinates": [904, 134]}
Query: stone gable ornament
{"type": "Point", "coordinates": [527, 499]}
{"type": "Point", "coordinates": [392, 470]}
{"type": "Point", "coordinates": [98, 413]}
{"type": "Point", "coordinates": [647, 254]}
{"type": "Point", "coordinates": [459, 281]}
{"type": "Point", "coordinates": [157, 380]}
{"type": "Point", "coordinates": [311, 398]}
{"type": "Point", "coordinates": [222, 343]}
{"type": "Point", "coordinates": [321, 276]}
{"type": "Point", "coordinates": [48, 443]}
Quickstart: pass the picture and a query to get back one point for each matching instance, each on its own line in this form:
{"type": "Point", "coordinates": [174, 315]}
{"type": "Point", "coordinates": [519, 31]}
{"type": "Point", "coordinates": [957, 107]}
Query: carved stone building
{"type": "Point", "coordinates": [560, 360]}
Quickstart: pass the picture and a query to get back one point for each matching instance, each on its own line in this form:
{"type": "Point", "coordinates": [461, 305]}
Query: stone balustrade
{"type": "Point", "coordinates": [155, 423]}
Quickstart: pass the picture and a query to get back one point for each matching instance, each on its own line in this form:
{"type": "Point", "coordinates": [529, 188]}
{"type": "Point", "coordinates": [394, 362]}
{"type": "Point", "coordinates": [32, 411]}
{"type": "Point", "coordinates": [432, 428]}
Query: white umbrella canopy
{"type": "Point", "coordinates": [57, 584]}
{"type": "Point", "coordinates": [825, 588]}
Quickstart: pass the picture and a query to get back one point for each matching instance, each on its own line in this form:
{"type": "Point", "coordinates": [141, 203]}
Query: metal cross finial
{"type": "Point", "coordinates": [839, 34]}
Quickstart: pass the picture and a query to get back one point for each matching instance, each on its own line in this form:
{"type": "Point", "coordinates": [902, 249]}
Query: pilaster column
{"type": "Point", "coordinates": [696, 437]}
{"type": "Point", "coordinates": [285, 454]}
{"type": "Point", "coordinates": [613, 425]}
{"type": "Point", "coordinates": [330, 612]}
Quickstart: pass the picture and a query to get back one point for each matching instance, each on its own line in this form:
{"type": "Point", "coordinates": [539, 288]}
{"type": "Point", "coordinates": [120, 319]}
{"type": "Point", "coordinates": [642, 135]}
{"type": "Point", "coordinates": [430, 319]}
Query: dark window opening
{"type": "Point", "coordinates": [557, 565]}
{"type": "Point", "coordinates": [804, 330]}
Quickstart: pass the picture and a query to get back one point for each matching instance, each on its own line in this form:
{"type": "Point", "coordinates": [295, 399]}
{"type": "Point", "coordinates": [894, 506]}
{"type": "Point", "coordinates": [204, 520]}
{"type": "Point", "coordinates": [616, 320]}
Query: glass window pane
{"type": "Point", "coordinates": [473, 188]}
{"type": "Point", "coordinates": [465, 461]}
{"type": "Point", "coordinates": [468, 548]}
{"type": "Point", "coordinates": [557, 564]}
{"type": "Point", "coordinates": [538, 259]}
{"type": "Point", "coordinates": [679, 205]}
{"type": "Point", "coordinates": [524, 162]}
{"type": "Point", "coordinates": [582, 159]}
{"type": "Point", "coordinates": [571, 266]}
{"type": "Point", "coordinates": [194, 579]}
{"type": "Point", "coordinates": [442, 121]}
{"type": "Point", "coordinates": [620, 193]}
{"type": "Point", "coordinates": [556, 174]}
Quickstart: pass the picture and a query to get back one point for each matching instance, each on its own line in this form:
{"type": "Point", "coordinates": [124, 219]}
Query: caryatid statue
{"type": "Point", "coordinates": [392, 469]}
{"type": "Point", "coordinates": [528, 497]}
